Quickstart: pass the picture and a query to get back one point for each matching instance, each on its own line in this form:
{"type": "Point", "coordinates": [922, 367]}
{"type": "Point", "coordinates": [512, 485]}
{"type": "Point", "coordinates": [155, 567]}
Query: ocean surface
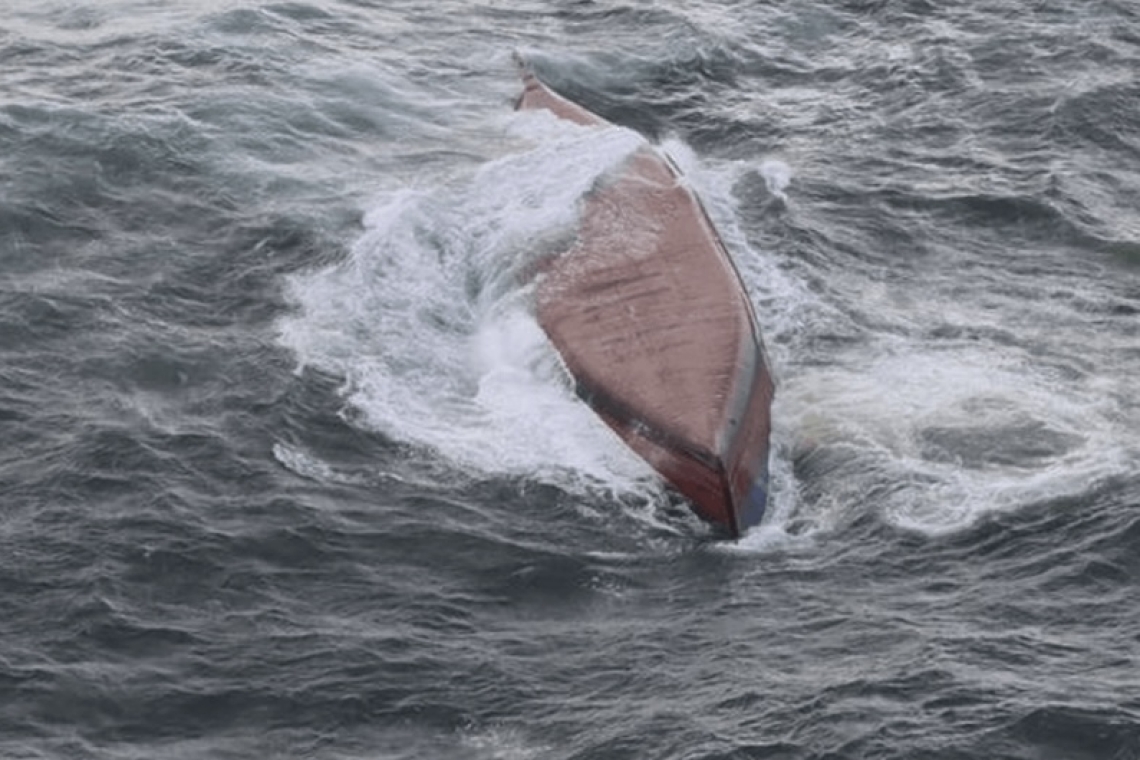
{"type": "Point", "coordinates": [288, 469]}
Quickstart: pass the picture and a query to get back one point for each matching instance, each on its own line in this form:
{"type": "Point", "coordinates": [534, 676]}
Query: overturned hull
{"type": "Point", "coordinates": [652, 321]}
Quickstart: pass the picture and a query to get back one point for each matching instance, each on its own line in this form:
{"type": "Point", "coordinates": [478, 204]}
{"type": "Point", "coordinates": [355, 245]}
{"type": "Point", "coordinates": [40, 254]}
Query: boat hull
{"type": "Point", "coordinates": [653, 323]}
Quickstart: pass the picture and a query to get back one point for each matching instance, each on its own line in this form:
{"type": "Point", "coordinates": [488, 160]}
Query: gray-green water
{"type": "Point", "coordinates": [289, 471]}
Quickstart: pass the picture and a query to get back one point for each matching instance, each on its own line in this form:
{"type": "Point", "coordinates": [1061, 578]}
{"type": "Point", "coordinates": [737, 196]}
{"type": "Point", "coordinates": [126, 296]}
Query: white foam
{"type": "Point", "coordinates": [502, 742]}
{"type": "Point", "coordinates": [302, 463]}
{"type": "Point", "coordinates": [777, 176]}
{"type": "Point", "coordinates": [928, 436]}
{"type": "Point", "coordinates": [429, 318]}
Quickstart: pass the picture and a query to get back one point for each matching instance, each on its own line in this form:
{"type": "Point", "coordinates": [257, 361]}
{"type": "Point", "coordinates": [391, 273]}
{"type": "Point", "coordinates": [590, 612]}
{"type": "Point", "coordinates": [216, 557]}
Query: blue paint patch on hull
{"type": "Point", "coordinates": [752, 510]}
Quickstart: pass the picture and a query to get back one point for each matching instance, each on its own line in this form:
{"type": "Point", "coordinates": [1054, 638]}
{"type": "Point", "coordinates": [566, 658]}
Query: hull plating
{"type": "Point", "coordinates": [652, 321]}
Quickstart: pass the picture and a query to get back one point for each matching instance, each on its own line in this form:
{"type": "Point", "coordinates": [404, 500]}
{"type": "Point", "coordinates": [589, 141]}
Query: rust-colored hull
{"type": "Point", "coordinates": [653, 323]}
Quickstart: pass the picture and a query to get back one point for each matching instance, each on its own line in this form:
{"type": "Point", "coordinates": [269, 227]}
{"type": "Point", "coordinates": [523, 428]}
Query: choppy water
{"type": "Point", "coordinates": [288, 469]}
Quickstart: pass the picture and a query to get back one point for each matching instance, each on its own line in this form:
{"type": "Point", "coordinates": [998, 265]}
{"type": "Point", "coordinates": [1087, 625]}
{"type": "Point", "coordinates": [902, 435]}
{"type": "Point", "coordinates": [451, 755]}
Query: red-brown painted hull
{"type": "Point", "coordinates": [653, 323]}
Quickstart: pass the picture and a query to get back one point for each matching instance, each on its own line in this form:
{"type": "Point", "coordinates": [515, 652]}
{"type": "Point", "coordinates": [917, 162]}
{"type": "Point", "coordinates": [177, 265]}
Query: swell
{"type": "Point", "coordinates": [205, 551]}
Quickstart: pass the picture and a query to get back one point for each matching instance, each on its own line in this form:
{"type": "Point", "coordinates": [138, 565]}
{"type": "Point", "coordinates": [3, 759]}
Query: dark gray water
{"type": "Point", "coordinates": [288, 469]}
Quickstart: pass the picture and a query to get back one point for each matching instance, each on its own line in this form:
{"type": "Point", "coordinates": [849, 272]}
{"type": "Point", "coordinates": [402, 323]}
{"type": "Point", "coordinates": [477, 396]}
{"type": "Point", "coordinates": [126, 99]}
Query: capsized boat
{"type": "Point", "coordinates": [651, 319]}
